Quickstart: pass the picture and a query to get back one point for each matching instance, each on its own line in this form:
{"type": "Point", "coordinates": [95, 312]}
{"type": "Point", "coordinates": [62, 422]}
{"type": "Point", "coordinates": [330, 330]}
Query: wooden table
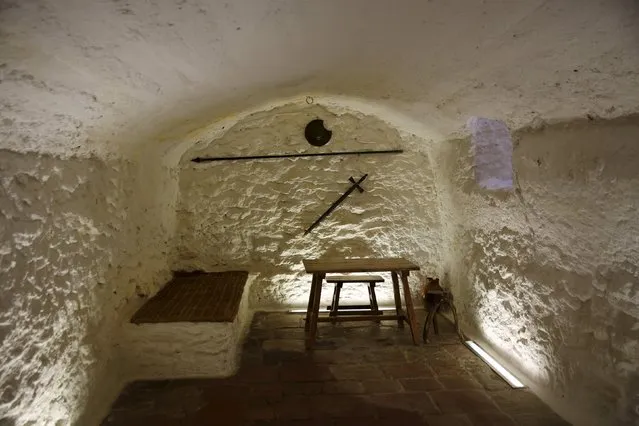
{"type": "Point", "coordinates": [398, 267]}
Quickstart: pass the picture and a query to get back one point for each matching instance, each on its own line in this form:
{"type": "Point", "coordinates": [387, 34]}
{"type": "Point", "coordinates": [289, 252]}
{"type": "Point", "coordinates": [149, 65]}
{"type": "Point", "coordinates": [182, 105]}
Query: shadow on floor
{"type": "Point", "coordinates": [359, 374]}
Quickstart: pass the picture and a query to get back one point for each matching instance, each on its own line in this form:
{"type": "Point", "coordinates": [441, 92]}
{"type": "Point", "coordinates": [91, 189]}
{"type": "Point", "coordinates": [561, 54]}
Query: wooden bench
{"type": "Point", "coordinates": [399, 269]}
{"type": "Point", "coordinates": [340, 280]}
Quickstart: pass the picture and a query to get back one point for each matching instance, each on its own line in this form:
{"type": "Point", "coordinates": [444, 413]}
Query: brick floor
{"type": "Point", "coordinates": [358, 374]}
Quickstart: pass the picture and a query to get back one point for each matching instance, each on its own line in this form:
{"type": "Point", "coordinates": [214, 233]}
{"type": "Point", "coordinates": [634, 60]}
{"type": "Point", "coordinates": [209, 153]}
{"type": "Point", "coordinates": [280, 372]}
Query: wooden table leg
{"type": "Point", "coordinates": [410, 310]}
{"type": "Point", "coordinates": [398, 298]}
{"type": "Point", "coordinates": [372, 298]}
{"type": "Point", "coordinates": [318, 278]}
{"type": "Point", "coordinates": [311, 297]}
{"type": "Point", "coordinates": [335, 304]}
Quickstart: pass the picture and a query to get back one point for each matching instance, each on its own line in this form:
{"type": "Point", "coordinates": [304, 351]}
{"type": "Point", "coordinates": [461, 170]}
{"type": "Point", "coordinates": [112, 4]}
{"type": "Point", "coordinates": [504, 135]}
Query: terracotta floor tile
{"type": "Point", "coordinates": [447, 420]}
{"type": "Point", "coordinates": [421, 384]}
{"type": "Point", "coordinates": [459, 382]}
{"type": "Point", "coordinates": [343, 387]}
{"type": "Point", "coordinates": [357, 374]}
{"type": "Point", "coordinates": [491, 418]}
{"type": "Point", "coordinates": [382, 386]}
{"type": "Point", "coordinates": [539, 419]}
{"type": "Point", "coordinates": [463, 401]}
{"type": "Point", "coordinates": [409, 401]}
{"type": "Point", "coordinates": [519, 401]}
{"type": "Point", "coordinates": [305, 373]}
{"type": "Point", "coordinates": [407, 370]}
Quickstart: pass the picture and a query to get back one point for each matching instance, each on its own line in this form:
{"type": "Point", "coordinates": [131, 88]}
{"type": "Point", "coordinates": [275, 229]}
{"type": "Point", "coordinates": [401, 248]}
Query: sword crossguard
{"type": "Point", "coordinates": [354, 182]}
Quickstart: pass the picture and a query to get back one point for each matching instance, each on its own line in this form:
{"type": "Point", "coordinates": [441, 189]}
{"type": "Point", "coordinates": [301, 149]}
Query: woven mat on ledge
{"type": "Point", "coordinates": [195, 297]}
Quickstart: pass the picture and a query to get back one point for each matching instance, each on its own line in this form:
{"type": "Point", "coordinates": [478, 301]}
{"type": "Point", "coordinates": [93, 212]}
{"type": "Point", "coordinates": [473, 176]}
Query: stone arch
{"type": "Point", "coordinates": [229, 218]}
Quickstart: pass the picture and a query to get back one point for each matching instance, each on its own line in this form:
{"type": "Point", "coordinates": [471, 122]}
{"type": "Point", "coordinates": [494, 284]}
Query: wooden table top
{"type": "Point", "coordinates": [369, 264]}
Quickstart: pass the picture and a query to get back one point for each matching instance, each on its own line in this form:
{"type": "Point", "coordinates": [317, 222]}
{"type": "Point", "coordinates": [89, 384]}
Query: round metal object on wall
{"type": "Point", "coordinates": [316, 134]}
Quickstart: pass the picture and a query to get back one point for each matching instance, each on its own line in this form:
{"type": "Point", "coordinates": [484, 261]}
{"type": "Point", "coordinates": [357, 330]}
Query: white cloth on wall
{"type": "Point", "coordinates": [493, 150]}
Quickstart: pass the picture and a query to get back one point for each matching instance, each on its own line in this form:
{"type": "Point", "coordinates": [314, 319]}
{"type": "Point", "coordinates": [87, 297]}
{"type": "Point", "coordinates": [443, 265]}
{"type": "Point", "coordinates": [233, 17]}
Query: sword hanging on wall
{"type": "Point", "coordinates": [339, 201]}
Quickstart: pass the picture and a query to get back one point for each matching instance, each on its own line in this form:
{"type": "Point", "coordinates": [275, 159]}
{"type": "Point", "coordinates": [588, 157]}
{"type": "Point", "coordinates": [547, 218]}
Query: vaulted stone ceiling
{"type": "Point", "coordinates": [83, 75]}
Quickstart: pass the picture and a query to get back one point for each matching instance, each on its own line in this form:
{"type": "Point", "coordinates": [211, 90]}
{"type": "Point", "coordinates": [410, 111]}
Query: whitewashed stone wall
{"type": "Point", "coordinates": [252, 214]}
{"type": "Point", "coordinates": [74, 250]}
{"type": "Point", "coordinates": [547, 275]}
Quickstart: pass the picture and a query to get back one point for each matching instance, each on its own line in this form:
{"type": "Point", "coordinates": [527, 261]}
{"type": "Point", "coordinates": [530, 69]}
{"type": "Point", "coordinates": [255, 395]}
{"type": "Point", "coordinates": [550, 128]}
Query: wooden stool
{"type": "Point", "coordinates": [339, 280]}
{"type": "Point", "coordinates": [438, 297]}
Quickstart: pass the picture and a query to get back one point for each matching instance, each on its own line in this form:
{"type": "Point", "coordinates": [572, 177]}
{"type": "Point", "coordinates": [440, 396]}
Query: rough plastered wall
{"type": "Point", "coordinates": [252, 214]}
{"type": "Point", "coordinates": [75, 250]}
{"type": "Point", "coordinates": [101, 70]}
{"type": "Point", "coordinates": [547, 275]}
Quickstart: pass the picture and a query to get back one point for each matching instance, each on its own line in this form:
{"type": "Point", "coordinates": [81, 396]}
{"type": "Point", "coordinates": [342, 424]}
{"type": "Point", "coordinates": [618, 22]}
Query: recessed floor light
{"type": "Point", "coordinates": [497, 367]}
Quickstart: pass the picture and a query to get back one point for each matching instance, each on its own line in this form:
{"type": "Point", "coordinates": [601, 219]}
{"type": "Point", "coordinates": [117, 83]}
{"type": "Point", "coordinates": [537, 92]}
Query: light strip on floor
{"type": "Point", "coordinates": [303, 311]}
{"type": "Point", "coordinates": [492, 362]}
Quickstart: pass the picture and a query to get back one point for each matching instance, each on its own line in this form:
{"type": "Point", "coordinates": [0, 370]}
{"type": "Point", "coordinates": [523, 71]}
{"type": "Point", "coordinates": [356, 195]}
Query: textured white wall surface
{"type": "Point", "coordinates": [252, 214]}
{"type": "Point", "coordinates": [73, 252]}
{"type": "Point", "coordinates": [547, 275]}
{"type": "Point", "coordinates": [123, 93]}
{"type": "Point", "coordinates": [93, 74]}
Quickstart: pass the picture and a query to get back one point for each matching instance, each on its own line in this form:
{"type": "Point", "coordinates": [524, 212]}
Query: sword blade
{"type": "Point", "coordinates": [335, 204]}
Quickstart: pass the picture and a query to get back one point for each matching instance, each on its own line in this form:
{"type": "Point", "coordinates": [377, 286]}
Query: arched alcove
{"type": "Point", "coordinates": [252, 214]}
{"type": "Point", "coordinates": [105, 103]}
